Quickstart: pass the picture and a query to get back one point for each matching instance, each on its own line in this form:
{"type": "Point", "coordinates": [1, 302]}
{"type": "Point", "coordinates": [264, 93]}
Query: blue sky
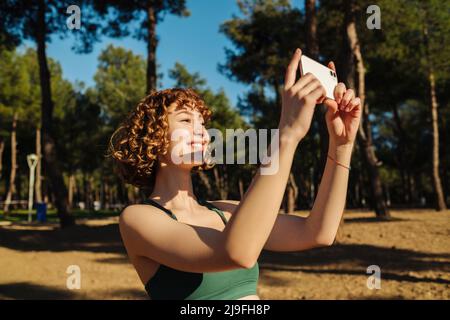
{"type": "Point", "coordinates": [194, 41]}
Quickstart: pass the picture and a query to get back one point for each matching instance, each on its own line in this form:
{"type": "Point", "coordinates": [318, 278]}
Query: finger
{"type": "Point", "coordinates": [332, 66]}
{"type": "Point", "coordinates": [339, 92]}
{"type": "Point", "coordinates": [352, 104]}
{"type": "Point", "coordinates": [331, 113]}
{"type": "Point", "coordinates": [309, 87]}
{"type": "Point", "coordinates": [349, 95]}
{"type": "Point", "coordinates": [331, 104]}
{"type": "Point", "coordinates": [356, 111]}
{"type": "Point", "coordinates": [317, 93]}
{"type": "Point", "coordinates": [302, 82]}
{"type": "Point", "coordinates": [291, 71]}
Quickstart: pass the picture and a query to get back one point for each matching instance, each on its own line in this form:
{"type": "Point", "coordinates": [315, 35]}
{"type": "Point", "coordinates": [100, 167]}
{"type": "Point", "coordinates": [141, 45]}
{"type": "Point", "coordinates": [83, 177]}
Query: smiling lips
{"type": "Point", "coordinates": [197, 144]}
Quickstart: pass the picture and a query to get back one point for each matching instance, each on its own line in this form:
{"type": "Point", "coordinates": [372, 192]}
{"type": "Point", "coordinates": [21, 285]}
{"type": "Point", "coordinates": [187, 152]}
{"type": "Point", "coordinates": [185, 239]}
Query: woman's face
{"type": "Point", "coordinates": [188, 137]}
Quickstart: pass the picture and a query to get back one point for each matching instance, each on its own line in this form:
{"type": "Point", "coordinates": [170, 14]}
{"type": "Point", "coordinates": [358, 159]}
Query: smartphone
{"type": "Point", "coordinates": [325, 75]}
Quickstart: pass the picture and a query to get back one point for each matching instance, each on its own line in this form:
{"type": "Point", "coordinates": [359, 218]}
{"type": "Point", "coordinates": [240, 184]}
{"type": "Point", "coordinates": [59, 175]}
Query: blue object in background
{"type": "Point", "coordinates": [41, 208]}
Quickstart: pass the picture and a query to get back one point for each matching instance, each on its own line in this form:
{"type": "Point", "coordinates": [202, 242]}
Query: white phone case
{"type": "Point", "coordinates": [325, 75]}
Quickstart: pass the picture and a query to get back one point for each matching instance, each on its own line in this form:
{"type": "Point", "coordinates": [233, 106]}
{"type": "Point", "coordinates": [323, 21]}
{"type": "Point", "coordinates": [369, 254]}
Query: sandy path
{"type": "Point", "coordinates": [413, 253]}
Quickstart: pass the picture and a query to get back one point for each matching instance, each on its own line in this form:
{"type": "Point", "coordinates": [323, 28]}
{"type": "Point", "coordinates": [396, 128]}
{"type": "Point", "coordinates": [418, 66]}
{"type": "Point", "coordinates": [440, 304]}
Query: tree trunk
{"type": "Point", "coordinates": [221, 183]}
{"type": "Point", "coordinates": [89, 194]}
{"type": "Point", "coordinates": [71, 189]}
{"type": "Point", "coordinates": [402, 146]}
{"type": "Point", "coordinates": [312, 50]}
{"type": "Point", "coordinates": [290, 195]}
{"type": "Point", "coordinates": [365, 130]}
{"type": "Point", "coordinates": [112, 196]}
{"type": "Point", "coordinates": [103, 194]}
{"type": "Point", "coordinates": [50, 157]}
{"type": "Point", "coordinates": [2, 148]}
{"type": "Point", "coordinates": [312, 47]}
{"type": "Point", "coordinates": [437, 184]}
{"type": "Point", "coordinates": [37, 186]}
{"type": "Point", "coordinates": [107, 196]}
{"type": "Point", "coordinates": [18, 189]}
{"type": "Point", "coordinates": [12, 177]}
{"type": "Point", "coordinates": [241, 188]}
{"type": "Point", "coordinates": [151, 48]}
{"type": "Point", "coordinates": [204, 179]}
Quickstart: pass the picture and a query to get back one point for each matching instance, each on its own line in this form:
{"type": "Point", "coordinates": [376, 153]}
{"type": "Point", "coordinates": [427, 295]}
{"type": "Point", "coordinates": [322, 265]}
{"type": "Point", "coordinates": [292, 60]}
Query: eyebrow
{"type": "Point", "coordinates": [184, 111]}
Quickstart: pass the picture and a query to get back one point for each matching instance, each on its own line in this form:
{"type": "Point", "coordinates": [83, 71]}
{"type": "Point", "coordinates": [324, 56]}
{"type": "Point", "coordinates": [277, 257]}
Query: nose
{"type": "Point", "coordinates": [198, 127]}
{"type": "Point", "coordinates": [200, 132]}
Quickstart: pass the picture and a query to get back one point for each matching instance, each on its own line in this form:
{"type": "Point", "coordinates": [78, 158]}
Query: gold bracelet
{"type": "Point", "coordinates": [338, 163]}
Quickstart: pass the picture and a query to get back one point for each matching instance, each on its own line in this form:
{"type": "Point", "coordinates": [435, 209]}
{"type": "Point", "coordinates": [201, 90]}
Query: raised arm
{"type": "Point", "coordinates": [343, 119]}
{"type": "Point", "coordinates": [251, 224]}
{"type": "Point", "coordinates": [147, 233]}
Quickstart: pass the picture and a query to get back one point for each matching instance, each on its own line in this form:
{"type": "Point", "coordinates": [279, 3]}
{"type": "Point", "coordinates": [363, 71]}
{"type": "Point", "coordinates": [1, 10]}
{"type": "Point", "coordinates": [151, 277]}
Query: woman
{"type": "Point", "coordinates": [186, 248]}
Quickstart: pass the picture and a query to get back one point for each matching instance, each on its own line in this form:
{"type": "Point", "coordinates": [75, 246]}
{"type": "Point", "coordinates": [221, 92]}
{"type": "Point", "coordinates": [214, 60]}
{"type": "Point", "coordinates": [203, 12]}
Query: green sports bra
{"type": "Point", "coordinates": [173, 284]}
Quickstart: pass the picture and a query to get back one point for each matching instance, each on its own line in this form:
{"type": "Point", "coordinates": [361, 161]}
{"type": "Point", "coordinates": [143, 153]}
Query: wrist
{"type": "Point", "coordinates": [288, 139]}
{"type": "Point", "coordinates": [340, 148]}
{"type": "Point", "coordinates": [341, 153]}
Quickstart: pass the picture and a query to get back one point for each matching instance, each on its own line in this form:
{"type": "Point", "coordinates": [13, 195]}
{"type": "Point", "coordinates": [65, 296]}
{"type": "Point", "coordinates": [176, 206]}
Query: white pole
{"type": "Point", "coordinates": [32, 160]}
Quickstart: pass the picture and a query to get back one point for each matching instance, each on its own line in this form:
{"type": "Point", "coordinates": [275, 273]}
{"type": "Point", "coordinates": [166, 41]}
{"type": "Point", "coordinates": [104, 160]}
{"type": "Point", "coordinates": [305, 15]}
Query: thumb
{"type": "Point", "coordinates": [332, 110]}
{"type": "Point", "coordinates": [331, 104]}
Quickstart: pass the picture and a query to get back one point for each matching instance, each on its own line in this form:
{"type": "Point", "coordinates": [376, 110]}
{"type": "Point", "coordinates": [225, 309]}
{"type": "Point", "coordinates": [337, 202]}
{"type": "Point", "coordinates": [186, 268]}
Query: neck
{"type": "Point", "coordinates": [173, 186]}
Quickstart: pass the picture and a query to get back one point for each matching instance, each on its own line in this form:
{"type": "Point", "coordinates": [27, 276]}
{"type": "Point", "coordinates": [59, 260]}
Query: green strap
{"type": "Point", "coordinates": [214, 208]}
{"type": "Point", "coordinates": [156, 204]}
{"type": "Point", "coordinates": [201, 201]}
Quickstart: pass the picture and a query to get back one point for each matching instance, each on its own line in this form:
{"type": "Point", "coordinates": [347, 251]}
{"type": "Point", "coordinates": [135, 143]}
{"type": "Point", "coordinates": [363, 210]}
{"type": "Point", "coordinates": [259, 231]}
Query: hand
{"type": "Point", "coordinates": [299, 99]}
{"type": "Point", "coordinates": [343, 115]}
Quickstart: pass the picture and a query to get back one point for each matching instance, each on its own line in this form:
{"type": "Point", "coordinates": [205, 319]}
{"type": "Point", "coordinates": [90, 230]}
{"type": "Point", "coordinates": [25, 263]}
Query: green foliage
{"type": "Point", "coordinates": [119, 82]}
{"type": "Point", "coordinates": [14, 84]}
{"type": "Point", "coordinates": [223, 115]}
{"type": "Point", "coordinates": [417, 33]}
{"type": "Point", "coordinates": [264, 40]}
{"type": "Point", "coordinates": [124, 18]}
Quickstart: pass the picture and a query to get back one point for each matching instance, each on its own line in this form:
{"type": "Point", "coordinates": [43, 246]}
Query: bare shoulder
{"type": "Point", "coordinates": [136, 214]}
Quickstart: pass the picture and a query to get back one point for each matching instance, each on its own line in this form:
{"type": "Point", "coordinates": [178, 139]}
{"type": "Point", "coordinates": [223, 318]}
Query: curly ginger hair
{"type": "Point", "coordinates": [138, 141]}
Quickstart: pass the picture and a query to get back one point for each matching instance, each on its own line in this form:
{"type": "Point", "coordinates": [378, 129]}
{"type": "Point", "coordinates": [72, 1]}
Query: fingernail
{"type": "Point", "coordinates": [297, 51]}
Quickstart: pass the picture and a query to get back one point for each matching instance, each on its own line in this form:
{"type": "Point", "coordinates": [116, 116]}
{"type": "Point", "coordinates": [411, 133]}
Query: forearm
{"type": "Point", "coordinates": [325, 216]}
{"type": "Point", "coordinates": [251, 223]}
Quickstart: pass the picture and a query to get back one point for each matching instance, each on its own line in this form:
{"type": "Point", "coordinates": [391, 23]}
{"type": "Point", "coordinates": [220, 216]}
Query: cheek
{"type": "Point", "coordinates": [178, 141]}
{"type": "Point", "coordinates": [206, 135]}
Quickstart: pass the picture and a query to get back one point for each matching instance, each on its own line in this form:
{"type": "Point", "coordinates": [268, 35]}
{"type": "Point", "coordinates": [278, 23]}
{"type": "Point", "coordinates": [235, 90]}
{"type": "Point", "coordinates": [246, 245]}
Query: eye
{"type": "Point", "coordinates": [187, 120]}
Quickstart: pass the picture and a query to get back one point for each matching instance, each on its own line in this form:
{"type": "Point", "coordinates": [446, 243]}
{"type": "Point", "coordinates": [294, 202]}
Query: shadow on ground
{"type": "Point", "coordinates": [353, 259]}
{"type": "Point", "coordinates": [27, 291]}
{"type": "Point", "coordinates": [103, 238]}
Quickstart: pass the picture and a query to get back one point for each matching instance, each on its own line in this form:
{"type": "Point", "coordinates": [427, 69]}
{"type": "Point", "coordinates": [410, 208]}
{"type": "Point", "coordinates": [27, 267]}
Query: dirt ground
{"type": "Point", "coordinates": [413, 253]}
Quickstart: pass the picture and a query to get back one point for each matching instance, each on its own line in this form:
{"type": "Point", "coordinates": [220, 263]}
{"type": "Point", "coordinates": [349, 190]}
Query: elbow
{"type": "Point", "coordinates": [323, 241]}
{"type": "Point", "coordinates": [241, 260]}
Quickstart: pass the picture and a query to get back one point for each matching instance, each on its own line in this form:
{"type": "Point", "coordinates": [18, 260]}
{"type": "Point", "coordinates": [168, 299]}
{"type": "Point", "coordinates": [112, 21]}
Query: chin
{"type": "Point", "coordinates": [189, 166]}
